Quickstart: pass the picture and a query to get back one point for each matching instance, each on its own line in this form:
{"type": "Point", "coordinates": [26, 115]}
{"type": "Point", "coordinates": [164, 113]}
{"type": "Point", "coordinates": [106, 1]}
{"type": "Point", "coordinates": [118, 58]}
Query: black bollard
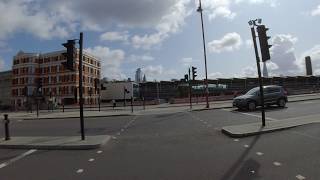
{"type": "Point", "coordinates": [6, 127]}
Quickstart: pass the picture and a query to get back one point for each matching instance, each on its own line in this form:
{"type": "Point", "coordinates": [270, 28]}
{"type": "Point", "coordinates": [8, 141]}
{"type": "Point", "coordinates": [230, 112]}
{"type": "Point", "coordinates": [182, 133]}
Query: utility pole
{"type": "Point", "coordinates": [205, 54]}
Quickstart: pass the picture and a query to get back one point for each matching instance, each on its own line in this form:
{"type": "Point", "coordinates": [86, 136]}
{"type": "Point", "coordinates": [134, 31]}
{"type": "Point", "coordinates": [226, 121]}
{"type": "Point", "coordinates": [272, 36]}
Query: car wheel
{"type": "Point", "coordinates": [251, 106]}
{"type": "Point", "coordinates": [281, 103]}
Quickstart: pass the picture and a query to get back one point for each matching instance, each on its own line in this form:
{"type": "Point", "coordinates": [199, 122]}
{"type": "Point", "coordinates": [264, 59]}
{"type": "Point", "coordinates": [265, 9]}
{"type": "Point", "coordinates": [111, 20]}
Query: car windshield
{"type": "Point", "coordinates": [252, 91]}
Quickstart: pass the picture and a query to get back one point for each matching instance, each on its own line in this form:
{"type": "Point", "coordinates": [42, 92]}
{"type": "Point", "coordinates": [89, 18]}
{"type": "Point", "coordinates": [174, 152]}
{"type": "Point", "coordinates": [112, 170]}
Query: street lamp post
{"type": "Point", "coordinates": [205, 54]}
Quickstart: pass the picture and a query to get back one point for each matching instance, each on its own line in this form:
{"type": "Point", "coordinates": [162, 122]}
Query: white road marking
{"type": "Point", "coordinates": [277, 163]}
{"type": "Point", "coordinates": [122, 129]}
{"type": "Point", "coordinates": [236, 140]}
{"type": "Point", "coordinates": [258, 116]}
{"type": "Point", "coordinates": [80, 171]}
{"type": "Point", "coordinates": [113, 137]}
{"type": "Point", "coordinates": [204, 122]}
{"type": "Point", "coordinates": [307, 102]}
{"type": "Point", "coordinates": [118, 133]}
{"type": "Point", "coordinates": [300, 177]}
{"type": "Point", "coordinates": [246, 146]}
{"type": "Point", "coordinates": [99, 152]}
{"type": "Point", "coordinates": [17, 158]}
{"type": "Point", "coordinates": [259, 153]}
{"type": "Point", "coordinates": [90, 160]}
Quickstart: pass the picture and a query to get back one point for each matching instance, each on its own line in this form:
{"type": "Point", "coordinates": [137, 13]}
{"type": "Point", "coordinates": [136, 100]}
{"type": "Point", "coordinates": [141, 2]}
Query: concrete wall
{"type": "Point", "coordinates": [114, 90]}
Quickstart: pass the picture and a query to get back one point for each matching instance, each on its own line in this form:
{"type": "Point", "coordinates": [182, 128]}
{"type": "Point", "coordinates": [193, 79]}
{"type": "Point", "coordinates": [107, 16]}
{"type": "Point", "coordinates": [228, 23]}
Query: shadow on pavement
{"type": "Point", "coordinates": [249, 168]}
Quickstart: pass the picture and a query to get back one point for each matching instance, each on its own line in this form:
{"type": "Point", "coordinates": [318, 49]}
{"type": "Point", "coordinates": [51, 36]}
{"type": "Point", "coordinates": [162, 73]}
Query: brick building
{"type": "Point", "coordinates": [58, 85]}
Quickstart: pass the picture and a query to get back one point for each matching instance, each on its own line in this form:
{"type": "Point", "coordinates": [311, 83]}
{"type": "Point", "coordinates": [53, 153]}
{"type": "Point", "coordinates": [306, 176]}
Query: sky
{"type": "Point", "coordinates": [164, 38]}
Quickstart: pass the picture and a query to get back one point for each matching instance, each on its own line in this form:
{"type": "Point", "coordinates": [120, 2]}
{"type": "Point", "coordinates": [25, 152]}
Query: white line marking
{"type": "Point", "coordinates": [98, 152]}
{"type": "Point", "coordinates": [90, 160]}
{"type": "Point", "coordinates": [236, 140]}
{"type": "Point", "coordinates": [277, 163]}
{"type": "Point", "coordinates": [258, 116]}
{"type": "Point", "coordinates": [80, 171]}
{"type": "Point", "coordinates": [17, 158]}
{"type": "Point", "coordinates": [300, 177]}
{"type": "Point", "coordinates": [204, 122]}
{"type": "Point", "coordinates": [307, 102]}
{"type": "Point", "coordinates": [246, 146]}
{"type": "Point", "coordinates": [259, 153]}
{"type": "Point", "coordinates": [113, 137]}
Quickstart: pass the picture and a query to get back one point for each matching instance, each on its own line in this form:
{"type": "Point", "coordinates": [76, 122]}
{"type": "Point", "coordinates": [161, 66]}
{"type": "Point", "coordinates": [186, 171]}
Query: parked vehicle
{"type": "Point", "coordinates": [273, 95]}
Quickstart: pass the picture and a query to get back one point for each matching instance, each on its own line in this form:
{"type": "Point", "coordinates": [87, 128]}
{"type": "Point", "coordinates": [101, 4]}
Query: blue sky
{"type": "Point", "coordinates": [164, 37]}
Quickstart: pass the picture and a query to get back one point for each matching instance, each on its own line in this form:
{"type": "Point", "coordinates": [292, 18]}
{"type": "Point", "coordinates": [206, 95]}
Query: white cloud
{"type": "Point", "coordinates": [229, 42]}
{"type": "Point", "coordinates": [272, 3]}
{"type": "Point", "coordinates": [111, 61]}
{"type": "Point", "coordinates": [217, 8]}
{"type": "Point", "coordinates": [282, 54]}
{"type": "Point", "coordinates": [115, 36]}
{"type": "Point", "coordinates": [153, 72]}
{"type": "Point", "coordinates": [215, 75]}
{"type": "Point", "coordinates": [140, 58]}
{"type": "Point", "coordinates": [170, 23]}
{"type": "Point", "coordinates": [26, 16]}
{"type": "Point", "coordinates": [316, 12]}
{"type": "Point", "coordinates": [147, 41]}
{"type": "Point", "coordinates": [187, 61]}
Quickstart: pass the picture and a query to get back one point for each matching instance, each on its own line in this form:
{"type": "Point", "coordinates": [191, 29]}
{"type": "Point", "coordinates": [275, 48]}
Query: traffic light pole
{"type": "Point", "coordinates": [259, 74]}
{"type": "Point", "coordinates": [80, 87]}
{"type": "Point", "coordinates": [190, 95]}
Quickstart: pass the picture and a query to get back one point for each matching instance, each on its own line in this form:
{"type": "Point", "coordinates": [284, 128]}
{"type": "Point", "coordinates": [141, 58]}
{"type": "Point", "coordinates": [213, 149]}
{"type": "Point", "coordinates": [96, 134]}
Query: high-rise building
{"type": "Point", "coordinates": [42, 75]}
{"type": "Point", "coordinates": [265, 70]}
{"type": "Point", "coordinates": [138, 76]}
{"type": "Point", "coordinates": [308, 66]}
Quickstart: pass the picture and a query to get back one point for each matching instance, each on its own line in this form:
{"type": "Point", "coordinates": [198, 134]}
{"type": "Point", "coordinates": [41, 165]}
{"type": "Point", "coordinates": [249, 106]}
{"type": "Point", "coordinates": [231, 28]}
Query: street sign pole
{"type": "Point", "coordinates": [80, 87]}
{"type": "Point", "coordinates": [259, 74]}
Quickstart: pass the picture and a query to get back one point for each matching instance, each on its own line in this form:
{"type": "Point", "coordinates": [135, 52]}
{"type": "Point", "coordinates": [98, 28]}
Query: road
{"type": "Point", "coordinates": [181, 145]}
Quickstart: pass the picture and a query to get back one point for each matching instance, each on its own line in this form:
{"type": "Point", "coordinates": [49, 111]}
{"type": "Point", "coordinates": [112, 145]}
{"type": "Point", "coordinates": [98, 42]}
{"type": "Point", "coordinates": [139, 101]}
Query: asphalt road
{"type": "Point", "coordinates": [185, 145]}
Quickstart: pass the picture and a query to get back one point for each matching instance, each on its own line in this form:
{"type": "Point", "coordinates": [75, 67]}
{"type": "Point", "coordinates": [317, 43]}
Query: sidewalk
{"type": "Point", "coordinates": [138, 110]}
{"type": "Point", "coordinates": [271, 126]}
{"type": "Point", "coordinates": [55, 143]}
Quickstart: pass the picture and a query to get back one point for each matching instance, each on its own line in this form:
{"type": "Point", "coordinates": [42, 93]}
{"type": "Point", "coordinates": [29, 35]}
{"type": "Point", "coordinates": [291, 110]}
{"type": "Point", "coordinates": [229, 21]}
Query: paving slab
{"type": "Point", "coordinates": [252, 129]}
{"type": "Point", "coordinates": [55, 142]}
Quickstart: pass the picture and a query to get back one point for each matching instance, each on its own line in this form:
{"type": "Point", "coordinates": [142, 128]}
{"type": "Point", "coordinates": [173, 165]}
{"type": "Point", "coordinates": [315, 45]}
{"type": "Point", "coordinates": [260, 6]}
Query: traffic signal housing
{"type": "Point", "coordinates": [263, 40]}
{"type": "Point", "coordinates": [70, 54]}
{"type": "Point", "coordinates": [186, 77]}
{"type": "Point", "coordinates": [194, 73]}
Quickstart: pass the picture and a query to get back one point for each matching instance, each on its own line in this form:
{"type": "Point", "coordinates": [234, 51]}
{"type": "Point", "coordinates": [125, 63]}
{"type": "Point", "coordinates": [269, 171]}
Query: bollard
{"type": "Point", "coordinates": [62, 107]}
{"type": "Point", "coordinates": [131, 104]}
{"type": "Point", "coordinates": [144, 103]}
{"type": "Point", "coordinates": [6, 127]}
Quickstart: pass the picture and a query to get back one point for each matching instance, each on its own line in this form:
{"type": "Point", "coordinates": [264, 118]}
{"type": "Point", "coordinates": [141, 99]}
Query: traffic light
{"type": "Point", "coordinates": [39, 91]}
{"type": "Point", "coordinates": [70, 45]}
{"type": "Point", "coordinates": [263, 39]}
{"type": "Point", "coordinates": [186, 77]}
{"type": "Point", "coordinates": [194, 73]}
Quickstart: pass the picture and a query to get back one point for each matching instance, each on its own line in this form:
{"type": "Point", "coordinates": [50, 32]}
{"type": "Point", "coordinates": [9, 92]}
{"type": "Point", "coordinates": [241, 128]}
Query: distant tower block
{"type": "Point", "coordinates": [265, 70]}
{"type": "Point", "coordinates": [308, 66]}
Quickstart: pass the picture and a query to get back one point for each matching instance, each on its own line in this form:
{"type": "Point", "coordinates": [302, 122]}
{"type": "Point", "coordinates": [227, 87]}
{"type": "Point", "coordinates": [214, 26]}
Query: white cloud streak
{"type": "Point", "coordinates": [229, 42]}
